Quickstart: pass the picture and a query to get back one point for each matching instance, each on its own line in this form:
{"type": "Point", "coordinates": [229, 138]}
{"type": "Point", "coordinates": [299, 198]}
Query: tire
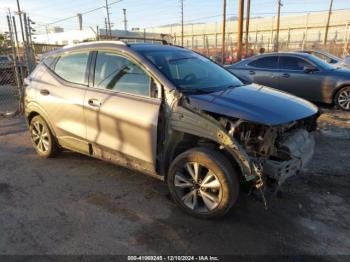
{"type": "Point", "coordinates": [44, 142]}
{"type": "Point", "coordinates": [342, 98]}
{"type": "Point", "coordinates": [214, 191]}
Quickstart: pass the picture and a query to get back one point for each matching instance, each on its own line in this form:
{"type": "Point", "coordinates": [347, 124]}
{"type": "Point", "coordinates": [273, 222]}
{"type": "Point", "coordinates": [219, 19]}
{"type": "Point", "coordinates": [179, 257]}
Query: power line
{"type": "Point", "coordinates": [83, 13]}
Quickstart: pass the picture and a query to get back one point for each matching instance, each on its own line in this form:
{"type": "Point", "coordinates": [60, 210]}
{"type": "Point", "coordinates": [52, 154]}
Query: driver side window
{"type": "Point", "coordinates": [114, 72]}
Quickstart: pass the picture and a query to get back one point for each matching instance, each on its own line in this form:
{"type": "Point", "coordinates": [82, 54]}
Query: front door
{"type": "Point", "coordinates": [120, 113]}
{"type": "Point", "coordinates": [294, 80]}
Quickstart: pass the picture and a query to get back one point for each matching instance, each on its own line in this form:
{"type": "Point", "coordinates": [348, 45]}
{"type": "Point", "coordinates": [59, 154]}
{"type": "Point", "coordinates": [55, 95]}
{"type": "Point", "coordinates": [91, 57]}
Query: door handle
{"type": "Point", "coordinates": [44, 92]}
{"type": "Point", "coordinates": [285, 75]}
{"type": "Point", "coordinates": [94, 102]}
{"type": "Point", "coordinates": [251, 72]}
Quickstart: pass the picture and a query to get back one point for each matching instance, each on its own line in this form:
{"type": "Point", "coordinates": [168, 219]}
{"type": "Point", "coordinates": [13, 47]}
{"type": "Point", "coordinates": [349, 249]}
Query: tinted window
{"type": "Point", "coordinates": [114, 72]}
{"type": "Point", "coordinates": [270, 62]}
{"type": "Point", "coordinates": [72, 67]}
{"type": "Point", "coordinates": [189, 71]}
{"type": "Point", "coordinates": [293, 63]}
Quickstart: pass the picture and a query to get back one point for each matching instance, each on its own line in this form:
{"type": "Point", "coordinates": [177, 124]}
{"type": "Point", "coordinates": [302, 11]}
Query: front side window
{"type": "Point", "coordinates": [293, 63]}
{"type": "Point", "coordinates": [114, 72]}
{"type": "Point", "coordinates": [189, 71]}
{"type": "Point", "coordinates": [270, 62]}
{"type": "Point", "coordinates": [72, 67]}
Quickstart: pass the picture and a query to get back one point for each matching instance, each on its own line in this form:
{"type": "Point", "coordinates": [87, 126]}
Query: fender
{"type": "Point", "coordinates": [200, 124]}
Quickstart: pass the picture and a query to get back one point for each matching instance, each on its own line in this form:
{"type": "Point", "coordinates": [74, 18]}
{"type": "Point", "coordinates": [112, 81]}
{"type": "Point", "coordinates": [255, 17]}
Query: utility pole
{"type": "Point", "coordinates": [125, 21]}
{"type": "Point", "coordinates": [106, 28]}
{"type": "Point", "coordinates": [19, 12]}
{"type": "Point", "coordinates": [80, 21]}
{"type": "Point", "coordinates": [15, 33]}
{"type": "Point", "coordinates": [328, 20]}
{"type": "Point", "coordinates": [182, 21]}
{"type": "Point", "coordinates": [240, 29]}
{"type": "Point", "coordinates": [28, 45]}
{"type": "Point", "coordinates": [223, 33]}
{"type": "Point", "coordinates": [247, 29]}
{"type": "Point", "coordinates": [276, 46]}
{"type": "Point", "coordinates": [108, 20]}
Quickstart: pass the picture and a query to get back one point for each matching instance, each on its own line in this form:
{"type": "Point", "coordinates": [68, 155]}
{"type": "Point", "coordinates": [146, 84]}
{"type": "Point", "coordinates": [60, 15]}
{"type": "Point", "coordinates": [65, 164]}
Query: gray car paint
{"type": "Point", "coordinates": [319, 86]}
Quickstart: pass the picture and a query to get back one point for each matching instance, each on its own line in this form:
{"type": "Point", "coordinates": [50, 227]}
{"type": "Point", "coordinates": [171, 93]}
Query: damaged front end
{"type": "Point", "coordinates": [266, 153]}
{"type": "Point", "coordinates": [278, 152]}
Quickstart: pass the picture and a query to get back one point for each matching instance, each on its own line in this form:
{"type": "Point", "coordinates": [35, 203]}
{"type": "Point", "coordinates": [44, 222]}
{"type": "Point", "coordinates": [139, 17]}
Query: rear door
{"type": "Point", "coordinates": [60, 94]}
{"type": "Point", "coordinates": [121, 109]}
{"type": "Point", "coordinates": [263, 71]}
{"type": "Point", "coordinates": [294, 80]}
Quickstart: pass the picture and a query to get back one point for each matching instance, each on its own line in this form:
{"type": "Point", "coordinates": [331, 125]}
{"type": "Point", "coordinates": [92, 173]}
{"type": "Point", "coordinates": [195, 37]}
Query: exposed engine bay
{"type": "Point", "coordinates": [278, 151]}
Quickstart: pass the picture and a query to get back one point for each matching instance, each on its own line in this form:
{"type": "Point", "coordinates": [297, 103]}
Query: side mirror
{"type": "Point", "coordinates": [309, 69]}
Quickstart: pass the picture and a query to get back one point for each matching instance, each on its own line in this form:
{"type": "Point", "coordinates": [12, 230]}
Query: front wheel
{"type": "Point", "coordinates": [342, 99]}
{"type": "Point", "coordinates": [203, 183]}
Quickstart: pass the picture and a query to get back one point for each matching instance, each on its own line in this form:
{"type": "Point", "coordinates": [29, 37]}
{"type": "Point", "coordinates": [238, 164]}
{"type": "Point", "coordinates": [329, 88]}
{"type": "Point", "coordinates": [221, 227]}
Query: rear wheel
{"type": "Point", "coordinates": [342, 99]}
{"type": "Point", "coordinates": [44, 142]}
{"type": "Point", "coordinates": [203, 183]}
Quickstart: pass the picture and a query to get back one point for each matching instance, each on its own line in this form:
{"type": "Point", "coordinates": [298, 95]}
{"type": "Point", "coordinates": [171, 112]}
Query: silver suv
{"type": "Point", "coordinates": [171, 113]}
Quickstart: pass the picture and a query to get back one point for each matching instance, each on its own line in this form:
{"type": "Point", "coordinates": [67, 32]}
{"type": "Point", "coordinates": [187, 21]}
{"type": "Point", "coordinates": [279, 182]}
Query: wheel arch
{"type": "Point", "coordinates": [33, 110]}
{"type": "Point", "coordinates": [338, 88]}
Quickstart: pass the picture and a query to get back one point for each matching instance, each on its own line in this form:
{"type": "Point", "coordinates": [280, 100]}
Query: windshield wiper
{"type": "Point", "coordinates": [181, 58]}
{"type": "Point", "coordinates": [197, 91]}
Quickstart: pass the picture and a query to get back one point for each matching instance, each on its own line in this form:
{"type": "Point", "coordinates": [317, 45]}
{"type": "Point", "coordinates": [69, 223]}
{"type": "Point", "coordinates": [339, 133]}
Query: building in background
{"type": "Point", "coordinates": [55, 29]}
{"type": "Point", "coordinates": [296, 32]}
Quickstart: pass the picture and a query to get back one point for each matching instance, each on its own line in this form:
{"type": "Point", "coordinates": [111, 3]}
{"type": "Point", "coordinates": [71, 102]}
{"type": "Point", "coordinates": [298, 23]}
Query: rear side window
{"type": "Point", "coordinates": [270, 62]}
{"type": "Point", "coordinates": [72, 67]}
{"type": "Point", "coordinates": [118, 73]}
{"type": "Point", "coordinates": [292, 63]}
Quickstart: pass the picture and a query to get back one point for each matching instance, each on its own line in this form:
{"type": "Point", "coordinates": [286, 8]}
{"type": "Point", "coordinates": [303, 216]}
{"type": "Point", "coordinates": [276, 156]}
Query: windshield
{"type": "Point", "coordinates": [190, 71]}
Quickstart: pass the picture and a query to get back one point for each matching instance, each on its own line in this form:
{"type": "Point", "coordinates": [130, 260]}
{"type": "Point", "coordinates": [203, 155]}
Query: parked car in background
{"type": "Point", "coordinates": [301, 74]}
{"type": "Point", "coordinates": [171, 113]}
{"type": "Point", "coordinates": [328, 58]}
{"type": "Point", "coordinates": [7, 75]}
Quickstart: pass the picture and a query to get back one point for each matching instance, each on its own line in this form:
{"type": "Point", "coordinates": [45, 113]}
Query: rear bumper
{"type": "Point", "coordinates": [299, 146]}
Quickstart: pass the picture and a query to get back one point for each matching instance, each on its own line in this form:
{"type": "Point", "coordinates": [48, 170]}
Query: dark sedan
{"type": "Point", "coordinates": [300, 74]}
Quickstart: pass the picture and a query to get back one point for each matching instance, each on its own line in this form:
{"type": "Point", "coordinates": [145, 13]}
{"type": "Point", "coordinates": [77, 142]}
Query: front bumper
{"type": "Point", "coordinates": [299, 147]}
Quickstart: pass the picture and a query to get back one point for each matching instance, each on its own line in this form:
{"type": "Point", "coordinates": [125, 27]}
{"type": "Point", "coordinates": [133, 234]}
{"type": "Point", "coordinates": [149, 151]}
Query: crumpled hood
{"type": "Point", "coordinates": [254, 103]}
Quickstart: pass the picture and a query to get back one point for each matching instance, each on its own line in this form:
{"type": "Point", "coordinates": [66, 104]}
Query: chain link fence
{"type": "Point", "coordinates": [10, 93]}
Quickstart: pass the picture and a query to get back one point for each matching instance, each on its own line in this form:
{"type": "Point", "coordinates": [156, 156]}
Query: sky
{"type": "Point", "coordinates": [149, 13]}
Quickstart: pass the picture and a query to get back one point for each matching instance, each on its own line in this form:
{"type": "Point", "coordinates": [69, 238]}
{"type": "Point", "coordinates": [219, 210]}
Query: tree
{"type": "Point", "coordinates": [2, 42]}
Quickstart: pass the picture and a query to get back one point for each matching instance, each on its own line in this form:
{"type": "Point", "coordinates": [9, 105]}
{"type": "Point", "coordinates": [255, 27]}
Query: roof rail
{"type": "Point", "coordinates": [92, 42]}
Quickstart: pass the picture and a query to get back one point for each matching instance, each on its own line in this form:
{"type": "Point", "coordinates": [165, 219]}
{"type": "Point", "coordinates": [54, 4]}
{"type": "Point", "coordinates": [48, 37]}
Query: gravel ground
{"type": "Point", "coordinates": [78, 205]}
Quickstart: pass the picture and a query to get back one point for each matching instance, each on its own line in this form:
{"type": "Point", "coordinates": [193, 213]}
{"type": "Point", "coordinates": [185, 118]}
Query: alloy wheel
{"type": "Point", "coordinates": [344, 99]}
{"type": "Point", "coordinates": [40, 136]}
{"type": "Point", "coordinates": [198, 187]}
